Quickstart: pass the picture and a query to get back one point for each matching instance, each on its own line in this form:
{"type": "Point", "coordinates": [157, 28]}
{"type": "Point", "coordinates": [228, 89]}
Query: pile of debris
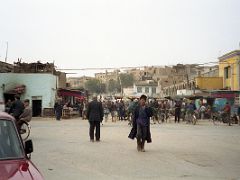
{"type": "Point", "coordinates": [5, 67]}
{"type": "Point", "coordinates": [37, 67]}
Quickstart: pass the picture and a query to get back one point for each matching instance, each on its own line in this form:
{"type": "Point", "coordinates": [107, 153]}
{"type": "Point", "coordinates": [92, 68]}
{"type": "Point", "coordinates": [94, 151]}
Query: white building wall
{"type": "Point", "coordinates": [150, 93]}
{"type": "Point", "coordinates": [128, 91]}
{"type": "Point", "coordinates": [41, 85]}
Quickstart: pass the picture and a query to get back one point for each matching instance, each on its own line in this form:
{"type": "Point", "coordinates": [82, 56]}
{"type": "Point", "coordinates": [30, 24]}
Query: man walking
{"type": "Point", "coordinates": [26, 115]}
{"type": "Point", "coordinates": [94, 116]}
{"type": "Point", "coordinates": [17, 108]}
{"type": "Point", "coordinates": [141, 124]}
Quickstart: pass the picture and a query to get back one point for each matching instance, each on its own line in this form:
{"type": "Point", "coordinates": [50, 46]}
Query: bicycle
{"type": "Point", "coordinates": [191, 118]}
{"type": "Point", "coordinates": [222, 117]}
{"type": "Point", "coordinates": [167, 115]}
{"type": "Point", "coordinates": [155, 116]}
{"type": "Point", "coordinates": [24, 130]}
{"type": "Point", "coordinates": [162, 116]}
{"type": "Point", "coordinates": [217, 118]}
{"type": "Point", "coordinates": [130, 119]}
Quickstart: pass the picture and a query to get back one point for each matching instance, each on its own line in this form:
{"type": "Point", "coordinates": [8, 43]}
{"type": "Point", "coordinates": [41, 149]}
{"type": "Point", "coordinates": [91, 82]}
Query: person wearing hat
{"type": "Point", "coordinates": [141, 124]}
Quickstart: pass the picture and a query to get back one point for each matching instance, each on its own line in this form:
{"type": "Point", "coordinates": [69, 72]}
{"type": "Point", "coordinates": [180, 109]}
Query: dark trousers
{"type": "Point", "coordinates": [228, 118]}
{"type": "Point", "coordinates": [141, 132]}
{"type": "Point", "coordinates": [177, 116]}
{"type": "Point", "coordinates": [58, 115]}
{"type": "Point", "coordinates": [94, 124]}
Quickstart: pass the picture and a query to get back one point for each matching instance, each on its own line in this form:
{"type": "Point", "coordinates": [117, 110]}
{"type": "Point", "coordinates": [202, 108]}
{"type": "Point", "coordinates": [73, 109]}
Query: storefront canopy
{"type": "Point", "coordinates": [74, 93]}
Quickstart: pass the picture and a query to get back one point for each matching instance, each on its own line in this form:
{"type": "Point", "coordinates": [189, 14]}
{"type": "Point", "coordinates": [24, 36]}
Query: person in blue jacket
{"type": "Point", "coordinates": [141, 124]}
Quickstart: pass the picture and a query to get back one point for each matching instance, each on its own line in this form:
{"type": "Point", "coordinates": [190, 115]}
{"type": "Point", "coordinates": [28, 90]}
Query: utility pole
{"type": "Point", "coordinates": [174, 87]}
{"type": "Point", "coordinates": [6, 53]}
{"type": "Point", "coordinates": [120, 81]}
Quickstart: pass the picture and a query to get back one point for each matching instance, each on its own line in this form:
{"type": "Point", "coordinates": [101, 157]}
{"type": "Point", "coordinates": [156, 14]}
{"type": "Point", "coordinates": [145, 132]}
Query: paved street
{"type": "Point", "coordinates": [62, 150]}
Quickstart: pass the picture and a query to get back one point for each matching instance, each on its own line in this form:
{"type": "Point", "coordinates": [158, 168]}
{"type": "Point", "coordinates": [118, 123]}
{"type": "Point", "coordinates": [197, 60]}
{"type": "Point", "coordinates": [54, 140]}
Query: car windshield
{"type": "Point", "coordinates": [10, 145]}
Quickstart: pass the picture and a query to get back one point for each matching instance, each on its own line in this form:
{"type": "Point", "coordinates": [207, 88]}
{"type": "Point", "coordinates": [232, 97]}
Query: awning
{"type": "Point", "coordinates": [225, 94]}
{"type": "Point", "coordinates": [73, 93]}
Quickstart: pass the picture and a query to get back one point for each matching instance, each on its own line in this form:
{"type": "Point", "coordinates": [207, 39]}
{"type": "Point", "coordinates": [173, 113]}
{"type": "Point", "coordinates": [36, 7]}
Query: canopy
{"type": "Point", "coordinates": [75, 93]}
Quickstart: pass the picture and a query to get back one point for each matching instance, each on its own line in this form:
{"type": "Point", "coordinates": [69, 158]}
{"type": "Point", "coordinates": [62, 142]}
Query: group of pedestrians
{"type": "Point", "coordinates": [185, 110]}
{"type": "Point", "coordinates": [161, 109]}
{"type": "Point", "coordinates": [20, 110]}
{"type": "Point", "coordinates": [119, 109]}
{"type": "Point", "coordinates": [78, 106]}
{"type": "Point", "coordinates": [141, 113]}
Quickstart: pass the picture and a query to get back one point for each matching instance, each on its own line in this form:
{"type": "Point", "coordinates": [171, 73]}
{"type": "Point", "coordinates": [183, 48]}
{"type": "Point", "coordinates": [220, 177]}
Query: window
{"type": "Point", "coordinates": [10, 146]}
{"type": "Point", "coordinates": [139, 89]}
{"type": "Point", "coordinates": [154, 90]}
{"type": "Point", "coordinates": [227, 72]}
{"type": "Point", "coordinates": [146, 89]}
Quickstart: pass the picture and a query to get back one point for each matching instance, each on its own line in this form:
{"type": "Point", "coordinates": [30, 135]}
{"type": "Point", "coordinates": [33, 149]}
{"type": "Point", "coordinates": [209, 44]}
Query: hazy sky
{"type": "Point", "coordinates": [115, 33]}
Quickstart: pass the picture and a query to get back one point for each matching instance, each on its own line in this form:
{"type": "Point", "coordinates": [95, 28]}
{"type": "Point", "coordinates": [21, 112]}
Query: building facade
{"type": "Point", "coordinates": [107, 76]}
{"type": "Point", "coordinates": [5, 67]}
{"type": "Point", "coordinates": [209, 83]}
{"type": "Point", "coordinates": [149, 88]}
{"type": "Point", "coordinates": [229, 70]}
{"type": "Point", "coordinates": [136, 73]}
{"type": "Point", "coordinates": [201, 78]}
{"type": "Point", "coordinates": [40, 89]}
{"type": "Point", "coordinates": [78, 82]}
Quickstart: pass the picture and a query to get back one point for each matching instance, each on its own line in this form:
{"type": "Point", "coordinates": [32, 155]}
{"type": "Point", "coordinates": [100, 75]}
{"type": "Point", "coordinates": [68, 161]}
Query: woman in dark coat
{"type": "Point", "coordinates": [141, 124]}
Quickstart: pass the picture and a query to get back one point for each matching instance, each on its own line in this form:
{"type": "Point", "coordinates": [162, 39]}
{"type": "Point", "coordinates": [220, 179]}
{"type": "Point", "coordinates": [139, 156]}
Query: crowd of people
{"type": "Point", "coordinates": [139, 113]}
{"type": "Point", "coordinates": [163, 109]}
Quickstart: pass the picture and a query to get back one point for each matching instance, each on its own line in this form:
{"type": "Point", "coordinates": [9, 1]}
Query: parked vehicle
{"type": "Point", "coordinates": [2, 104]}
{"type": "Point", "coordinates": [15, 160]}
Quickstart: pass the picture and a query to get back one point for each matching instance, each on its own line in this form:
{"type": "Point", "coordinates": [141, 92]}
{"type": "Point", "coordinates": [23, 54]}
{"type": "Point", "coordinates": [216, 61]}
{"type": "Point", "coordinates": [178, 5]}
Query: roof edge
{"type": "Point", "coordinates": [229, 55]}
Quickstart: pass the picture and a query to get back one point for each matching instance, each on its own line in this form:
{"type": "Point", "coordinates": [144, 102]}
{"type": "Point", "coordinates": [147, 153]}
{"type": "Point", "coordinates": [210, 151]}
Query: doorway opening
{"type": "Point", "coordinates": [36, 108]}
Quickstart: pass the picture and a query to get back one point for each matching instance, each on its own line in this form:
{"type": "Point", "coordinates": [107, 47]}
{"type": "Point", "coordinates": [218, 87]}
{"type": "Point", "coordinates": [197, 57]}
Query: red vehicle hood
{"type": "Point", "coordinates": [19, 169]}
